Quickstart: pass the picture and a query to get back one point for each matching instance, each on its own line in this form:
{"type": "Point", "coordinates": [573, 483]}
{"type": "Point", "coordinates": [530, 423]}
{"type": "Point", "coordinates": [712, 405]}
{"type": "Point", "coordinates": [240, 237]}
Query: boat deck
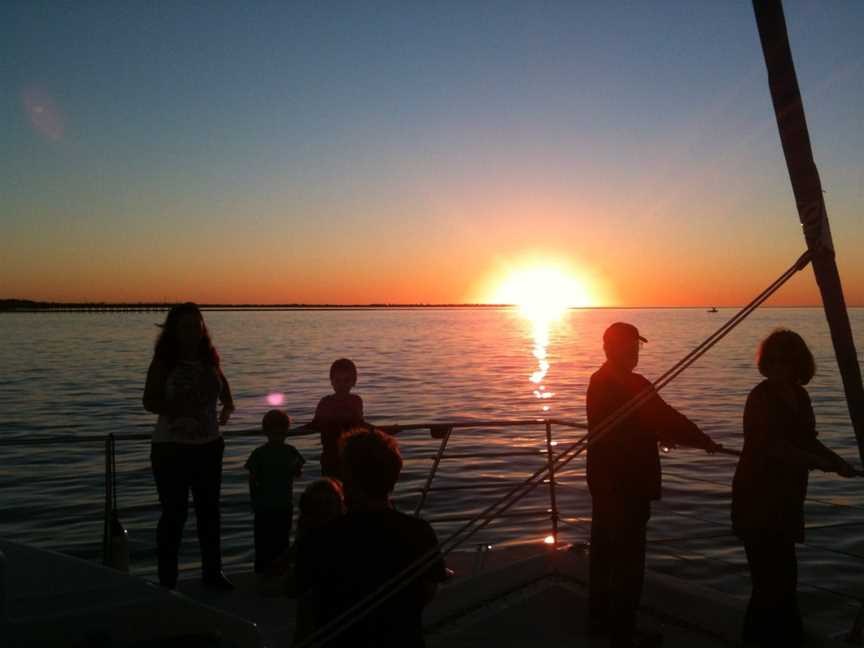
{"type": "Point", "coordinates": [525, 596]}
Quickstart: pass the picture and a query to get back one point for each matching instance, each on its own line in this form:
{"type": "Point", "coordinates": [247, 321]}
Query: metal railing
{"type": "Point", "coordinates": [442, 431]}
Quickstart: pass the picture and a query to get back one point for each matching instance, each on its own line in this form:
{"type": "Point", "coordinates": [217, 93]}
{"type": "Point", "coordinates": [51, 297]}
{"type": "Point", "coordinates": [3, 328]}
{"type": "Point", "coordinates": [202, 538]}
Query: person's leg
{"type": "Point", "coordinates": [205, 465]}
{"type": "Point", "coordinates": [786, 620]}
{"type": "Point", "coordinates": [754, 619]}
{"type": "Point", "coordinates": [599, 570]}
{"type": "Point", "coordinates": [261, 534]}
{"type": "Point", "coordinates": [172, 487]}
{"type": "Point", "coordinates": [773, 617]}
{"type": "Point", "coordinates": [286, 520]}
{"type": "Point", "coordinates": [628, 576]}
{"type": "Point", "coordinates": [269, 531]}
{"type": "Point", "coordinates": [795, 610]}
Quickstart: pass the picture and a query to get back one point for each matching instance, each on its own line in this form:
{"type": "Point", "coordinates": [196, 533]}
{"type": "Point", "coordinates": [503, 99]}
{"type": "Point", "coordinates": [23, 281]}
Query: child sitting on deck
{"type": "Point", "coordinates": [321, 504]}
{"type": "Point", "coordinates": [373, 544]}
{"type": "Point", "coordinates": [272, 469]}
{"type": "Point", "coordinates": [336, 414]}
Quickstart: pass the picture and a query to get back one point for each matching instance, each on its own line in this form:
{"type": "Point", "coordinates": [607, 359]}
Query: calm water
{"type": "Point", "coordinates": [82, 374]}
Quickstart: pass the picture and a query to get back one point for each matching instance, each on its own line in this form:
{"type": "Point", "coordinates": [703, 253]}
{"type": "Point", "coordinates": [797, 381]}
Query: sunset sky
{"type": "Point", "coordinates": [405, 152]}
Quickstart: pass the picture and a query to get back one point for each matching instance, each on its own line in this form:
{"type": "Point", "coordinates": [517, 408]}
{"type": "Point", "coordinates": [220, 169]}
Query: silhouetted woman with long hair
{"type": "Point", "coordinates": [770, 484]}
{"type": "Point", "coordinates": [184, 386]}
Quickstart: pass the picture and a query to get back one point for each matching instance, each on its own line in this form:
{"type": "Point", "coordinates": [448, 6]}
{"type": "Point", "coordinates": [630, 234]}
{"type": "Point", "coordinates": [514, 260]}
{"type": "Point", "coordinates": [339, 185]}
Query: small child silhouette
{"type": "Point", "coordinates": [336, 414]}
{"type": "Point", "coordinates": [272, 469]}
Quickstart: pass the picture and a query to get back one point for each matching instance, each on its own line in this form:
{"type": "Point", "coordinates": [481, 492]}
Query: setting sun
{"type": "Point", "coordinates": [543, 292]}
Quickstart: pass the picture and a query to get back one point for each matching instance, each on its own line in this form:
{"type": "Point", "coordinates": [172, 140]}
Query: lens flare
{"type": "Point", "coordinates": [44, 114]}
{"type": "Point", "coordinates": [275, 399]}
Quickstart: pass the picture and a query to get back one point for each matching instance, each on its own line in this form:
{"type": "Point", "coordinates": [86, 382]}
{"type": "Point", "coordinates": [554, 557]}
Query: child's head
{"type": "Point", "coordinates": [371, 463]}
{"type": "Point", "coordinates": [276, 425]}
{"type": "Point", "coordinates": [320, 503]}
{"type": "Point", "coordinates": [343, 376]}
{"type": "Point", "coordinates": [784, 355]}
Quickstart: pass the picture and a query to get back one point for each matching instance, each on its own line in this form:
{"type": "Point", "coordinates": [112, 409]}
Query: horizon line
{"type": "Point", "coordinates": [27, 305]}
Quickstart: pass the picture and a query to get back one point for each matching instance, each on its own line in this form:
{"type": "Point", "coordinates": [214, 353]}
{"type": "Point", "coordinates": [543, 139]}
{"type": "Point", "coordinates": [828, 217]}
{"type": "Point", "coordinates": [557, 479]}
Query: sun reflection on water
{"type": "Point", "coordinates": [542, 321]}
{"type": "Point", "coordinates": [540, 328]}
{"type": "Point", "coordinates": [543, 294]}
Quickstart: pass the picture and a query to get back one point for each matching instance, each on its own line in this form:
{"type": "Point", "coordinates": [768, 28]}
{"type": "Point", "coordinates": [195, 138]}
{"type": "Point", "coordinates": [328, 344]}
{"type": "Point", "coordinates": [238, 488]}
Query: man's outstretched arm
{"type": "Point", "coordinates": [674, 428]}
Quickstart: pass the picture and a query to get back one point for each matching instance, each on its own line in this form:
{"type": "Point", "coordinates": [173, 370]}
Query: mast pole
{"type": "Point", "coordinates": [807, 188]}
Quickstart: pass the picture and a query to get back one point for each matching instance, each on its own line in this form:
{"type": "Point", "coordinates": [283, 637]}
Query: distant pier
{"type": "Point", "coordinates": [28, 306]}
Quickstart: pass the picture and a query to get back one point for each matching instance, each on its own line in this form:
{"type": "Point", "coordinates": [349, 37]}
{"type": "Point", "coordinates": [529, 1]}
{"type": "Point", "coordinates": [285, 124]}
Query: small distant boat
{"type": "Point", "coordinates": [713, 309]}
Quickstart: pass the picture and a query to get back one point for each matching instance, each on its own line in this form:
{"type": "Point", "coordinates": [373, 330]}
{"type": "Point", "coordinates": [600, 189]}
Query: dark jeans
{"type": "Point", "coordinates": [272, 536]}
{"type": "Point", "coordinates": [177, 469]}
{"type": "Point", "coordinates": [773, 617]}
{"type": "Point", "coordinates": [616, 567]}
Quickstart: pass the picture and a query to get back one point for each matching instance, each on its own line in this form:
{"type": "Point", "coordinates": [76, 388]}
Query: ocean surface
{"type": "Point", "coordinates": [66, 376]}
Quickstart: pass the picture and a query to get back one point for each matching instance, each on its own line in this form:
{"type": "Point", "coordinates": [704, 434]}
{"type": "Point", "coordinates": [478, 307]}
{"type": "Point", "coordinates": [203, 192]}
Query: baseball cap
{"type": "Point", "coordinates": [621, 332]}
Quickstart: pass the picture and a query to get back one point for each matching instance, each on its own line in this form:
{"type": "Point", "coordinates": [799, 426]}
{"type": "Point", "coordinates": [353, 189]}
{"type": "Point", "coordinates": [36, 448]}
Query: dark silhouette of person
{"type": "Point", "coordinates": [273, 467]}
{"type": "Point", "coordinates": [371, 544]}
{"type": "Point", "coordinates": [321, 504]}
{"type": "Point", "coordinates": [184, 385]}
{"type": "Point", "coordinates": [770, 485]}
{"type": "Point", "coordinates": [623, 473]}
{"type": "Point", "coordinates": [336, 414]}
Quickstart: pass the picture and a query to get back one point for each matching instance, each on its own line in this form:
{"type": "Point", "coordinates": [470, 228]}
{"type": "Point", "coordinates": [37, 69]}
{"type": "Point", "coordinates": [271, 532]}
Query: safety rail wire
{"type": "Point", "coordinates": [109, 441]}
{"type": "Point", "coordinates": [394, 585]}
{"type": "Point", "coordinates": [727, 532]}
{"type": "Point", "coordinates": [549, 512]}
{"type": "Point", "coordinates": [665, 546]}
{"type": "Point", "coordinates": [727, 486]}
{"type": "Point", "coordinates": [390, 428]}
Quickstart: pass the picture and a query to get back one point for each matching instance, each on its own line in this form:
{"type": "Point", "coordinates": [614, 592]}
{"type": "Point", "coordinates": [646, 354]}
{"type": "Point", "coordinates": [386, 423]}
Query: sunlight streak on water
{"type": "Point", "coordinates": [542, 320]}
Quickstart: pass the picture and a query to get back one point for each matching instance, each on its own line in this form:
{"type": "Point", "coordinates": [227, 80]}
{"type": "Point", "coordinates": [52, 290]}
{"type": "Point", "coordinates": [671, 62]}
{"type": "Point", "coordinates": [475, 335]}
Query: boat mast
{"type": "Point", "coordinates": [807, 187]}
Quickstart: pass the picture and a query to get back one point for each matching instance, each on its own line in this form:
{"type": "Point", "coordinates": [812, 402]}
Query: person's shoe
{"type": "Point", "coordinates": [217, 581]}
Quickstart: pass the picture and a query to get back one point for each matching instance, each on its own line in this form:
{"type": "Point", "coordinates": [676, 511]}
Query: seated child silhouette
{"type": "Point", "coordinates": [321, 504]}
{"type": "Point", "coordinates": [374, 543]}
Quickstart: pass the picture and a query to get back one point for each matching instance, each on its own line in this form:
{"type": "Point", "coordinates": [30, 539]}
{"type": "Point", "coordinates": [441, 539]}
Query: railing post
{"type": "Point", "coordinates": [435, 431]}
{"type": "Point", "coordinates": [550, 461]}
{"type": "Point", "coordinates": [4, 577]}
{"type": "Point", "coordinates": [106, 528]}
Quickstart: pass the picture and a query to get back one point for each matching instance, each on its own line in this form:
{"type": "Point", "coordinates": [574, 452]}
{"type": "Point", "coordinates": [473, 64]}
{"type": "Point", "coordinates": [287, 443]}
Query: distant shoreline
{"type": "Point", "coordinates": [30, 306]}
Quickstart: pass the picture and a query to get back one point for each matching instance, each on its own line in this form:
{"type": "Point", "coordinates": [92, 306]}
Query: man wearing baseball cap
{"type": "Point", "coordinates": [623, 475]}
